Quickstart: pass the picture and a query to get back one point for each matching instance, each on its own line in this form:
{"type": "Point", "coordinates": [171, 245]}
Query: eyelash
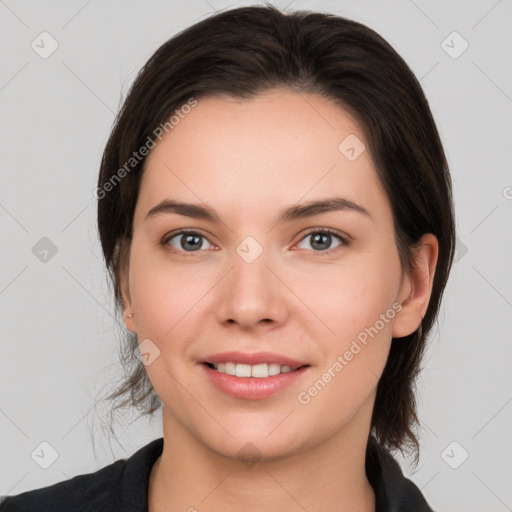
{"type": "Point", "coordinates": [344, 241]}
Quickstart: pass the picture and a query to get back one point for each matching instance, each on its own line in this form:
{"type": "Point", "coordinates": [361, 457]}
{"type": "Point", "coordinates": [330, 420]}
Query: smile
{"type": "Point", "coordinates": [252, 382]}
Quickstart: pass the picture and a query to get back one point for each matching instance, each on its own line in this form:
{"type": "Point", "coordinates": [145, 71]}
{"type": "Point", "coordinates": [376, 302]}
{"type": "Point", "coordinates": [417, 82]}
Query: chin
{"type": "Point", "coordinates": [249, 451]}
{"type": "Point", "coordinates": [265, 439]}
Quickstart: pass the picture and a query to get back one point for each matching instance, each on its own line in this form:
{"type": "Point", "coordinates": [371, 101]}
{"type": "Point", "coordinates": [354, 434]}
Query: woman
{"type": "Point", "coordinates": [275, 211]}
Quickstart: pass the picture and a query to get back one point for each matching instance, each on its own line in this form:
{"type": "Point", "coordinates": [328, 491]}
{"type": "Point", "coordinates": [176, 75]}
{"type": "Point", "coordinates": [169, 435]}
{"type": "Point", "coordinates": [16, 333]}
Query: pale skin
{"type": "Point", "coordinates": [248, 160]}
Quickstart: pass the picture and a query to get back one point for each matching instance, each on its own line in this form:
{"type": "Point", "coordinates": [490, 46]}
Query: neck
{"type": "Point", "coordinates": [328, 477]}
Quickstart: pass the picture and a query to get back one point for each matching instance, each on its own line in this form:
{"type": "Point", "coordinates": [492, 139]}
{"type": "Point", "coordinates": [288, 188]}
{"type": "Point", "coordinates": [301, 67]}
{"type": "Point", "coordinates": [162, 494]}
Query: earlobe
{"type": "Point", "coordinates": [417, 287]}
{"type": "Point", "coordinates": [128, 315]}
{"type": "Point", "coordinates": [123, 252]}
{"type": "Point", "coordinates": [129, 321]}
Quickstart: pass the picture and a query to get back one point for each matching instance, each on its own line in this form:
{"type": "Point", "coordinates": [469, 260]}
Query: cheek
{"type": "Point", "coordinates": [167, 304]}
{"type": "Point", "coordinates": [350, 297]}
{"type": "Point", "coordinates": [164, 296]}
{"type": "Point", "coordinates": [356, 302]}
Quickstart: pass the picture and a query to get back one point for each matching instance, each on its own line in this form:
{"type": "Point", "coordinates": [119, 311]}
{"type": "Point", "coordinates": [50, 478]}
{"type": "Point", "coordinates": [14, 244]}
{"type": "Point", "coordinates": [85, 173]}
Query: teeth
{"type": "Point", "coordinates": [274, 369]}
{"type": "Point", "coordinates": [243, 370]}
{"type": "Point", "coordinates": [230, 368]}
{"type": "Point", "coordinates": [260, 371]}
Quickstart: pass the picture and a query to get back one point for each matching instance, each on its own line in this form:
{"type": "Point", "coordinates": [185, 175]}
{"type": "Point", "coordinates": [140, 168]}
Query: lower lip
{"type": "Point", "coordinates": [252, 388]}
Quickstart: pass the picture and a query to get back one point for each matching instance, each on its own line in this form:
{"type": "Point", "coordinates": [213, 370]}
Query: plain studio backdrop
{"type": "Point", "coordinates": [59, 340]}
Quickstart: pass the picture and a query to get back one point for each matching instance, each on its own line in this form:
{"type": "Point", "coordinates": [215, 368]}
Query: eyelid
{"type": "Point", "coordinates": [184, 231]}
{"type": "Point", "coordinates": [344, 240]}
{"type": "Point", "coordinates": [342, 236]}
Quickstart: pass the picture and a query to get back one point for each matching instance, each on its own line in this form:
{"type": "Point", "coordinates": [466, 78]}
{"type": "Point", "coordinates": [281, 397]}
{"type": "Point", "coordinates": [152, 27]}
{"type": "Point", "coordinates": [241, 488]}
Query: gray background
{"type": "Point", "coordinates": [58, 336]}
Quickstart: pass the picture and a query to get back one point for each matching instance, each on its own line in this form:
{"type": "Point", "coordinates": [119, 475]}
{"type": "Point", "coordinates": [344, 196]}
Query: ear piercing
{"type": "Point", "coordinates": [130, 315]}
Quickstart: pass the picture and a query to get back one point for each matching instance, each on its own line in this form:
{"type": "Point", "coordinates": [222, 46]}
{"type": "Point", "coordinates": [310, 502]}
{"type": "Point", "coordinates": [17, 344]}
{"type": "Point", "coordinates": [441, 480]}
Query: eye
{"type": "Point", "coordinates": [322, 239]}
{"type": "Point", "coordinates": [190, 242]}
{"type": "Point", "coordinates": [185, 241]}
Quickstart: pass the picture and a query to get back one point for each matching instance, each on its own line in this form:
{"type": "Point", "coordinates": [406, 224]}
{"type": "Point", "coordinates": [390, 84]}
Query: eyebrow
{"type": "Point", "coordinates": [300, 211]}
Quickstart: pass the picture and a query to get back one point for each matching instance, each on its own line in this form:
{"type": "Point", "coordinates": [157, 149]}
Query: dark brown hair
{"type": "Point", "coordinates": [245, 51]}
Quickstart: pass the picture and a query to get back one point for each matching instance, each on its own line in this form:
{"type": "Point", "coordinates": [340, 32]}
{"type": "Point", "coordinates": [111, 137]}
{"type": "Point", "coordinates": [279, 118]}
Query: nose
{"type": "Point", "coordinates": [251, 296]}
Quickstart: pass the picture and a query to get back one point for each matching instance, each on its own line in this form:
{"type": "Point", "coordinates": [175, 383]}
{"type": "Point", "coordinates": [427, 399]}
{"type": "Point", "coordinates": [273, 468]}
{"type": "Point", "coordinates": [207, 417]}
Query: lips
{"type": "Point", "coordinates": [252, 376]}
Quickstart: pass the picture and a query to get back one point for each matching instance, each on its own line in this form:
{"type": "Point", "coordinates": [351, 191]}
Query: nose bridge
{"type": "Point", "coordinates": [250, 292]}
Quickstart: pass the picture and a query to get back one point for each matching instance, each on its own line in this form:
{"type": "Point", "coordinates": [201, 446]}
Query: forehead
{"type": "Point", "coordinates": [247, 155]}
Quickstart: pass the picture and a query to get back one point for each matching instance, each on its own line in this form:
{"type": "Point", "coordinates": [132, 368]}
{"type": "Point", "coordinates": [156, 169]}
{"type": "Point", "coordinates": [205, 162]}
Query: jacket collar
{"type": "Point", "coordinates": [393, 492]}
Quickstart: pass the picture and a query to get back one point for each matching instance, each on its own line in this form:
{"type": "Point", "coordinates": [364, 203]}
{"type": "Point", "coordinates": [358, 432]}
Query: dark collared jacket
{"type": "Point", "coordinates": [123, 486]}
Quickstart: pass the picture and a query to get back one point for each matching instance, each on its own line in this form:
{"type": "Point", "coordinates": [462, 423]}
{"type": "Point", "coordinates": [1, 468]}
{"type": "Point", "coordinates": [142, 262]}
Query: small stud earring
{"type": "Point", "coordinates": [130, 315]}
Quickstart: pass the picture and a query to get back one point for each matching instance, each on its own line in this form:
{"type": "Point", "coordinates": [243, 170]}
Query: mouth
{"type": "Point", "coordinates": [253, 376]}
{"type": "Point", "coordinates": [258, 371]}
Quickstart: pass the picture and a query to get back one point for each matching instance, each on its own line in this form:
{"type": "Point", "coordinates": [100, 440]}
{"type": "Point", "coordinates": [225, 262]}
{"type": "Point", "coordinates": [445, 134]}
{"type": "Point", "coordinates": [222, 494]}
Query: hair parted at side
{"type": "Point", "coordinates": [245, 51]}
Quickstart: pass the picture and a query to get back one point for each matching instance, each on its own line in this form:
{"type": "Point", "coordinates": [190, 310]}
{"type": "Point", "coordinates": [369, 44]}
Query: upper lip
{"type": "Point", "coordinates": [253, 359]}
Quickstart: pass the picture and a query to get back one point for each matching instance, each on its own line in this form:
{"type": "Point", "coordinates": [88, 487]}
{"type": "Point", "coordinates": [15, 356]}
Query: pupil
{"type": "Point", "coordinates": [322, 236]}
{"type": "Point", "coordinates": [193, 239]}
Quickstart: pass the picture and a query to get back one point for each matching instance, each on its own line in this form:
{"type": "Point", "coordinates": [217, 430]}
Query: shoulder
{"type": "Point", "coordinates": [82, 492]}
{"type": "Point", "coordinates": [110, 488]}
{"type": "Point", "coordinates": [393, 491]}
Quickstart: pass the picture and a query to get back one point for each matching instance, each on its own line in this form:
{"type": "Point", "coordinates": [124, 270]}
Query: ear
{"type": "Point", "coordinates": [416, 288]}
{"type": "Point", "coordinates": [122, 255]}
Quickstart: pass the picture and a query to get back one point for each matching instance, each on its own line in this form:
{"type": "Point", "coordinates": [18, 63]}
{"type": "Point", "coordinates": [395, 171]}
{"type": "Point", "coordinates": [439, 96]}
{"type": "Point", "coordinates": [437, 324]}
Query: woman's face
{"type": "Point", "coordinates": [251, 280]}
